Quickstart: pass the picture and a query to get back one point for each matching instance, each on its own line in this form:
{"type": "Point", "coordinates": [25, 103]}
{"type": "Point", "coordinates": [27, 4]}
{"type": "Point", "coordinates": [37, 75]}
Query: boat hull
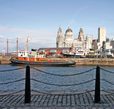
{"type": "Point", "coordinates": [71, 56]}
{"type": "Point", "coordinates": [64, 63]}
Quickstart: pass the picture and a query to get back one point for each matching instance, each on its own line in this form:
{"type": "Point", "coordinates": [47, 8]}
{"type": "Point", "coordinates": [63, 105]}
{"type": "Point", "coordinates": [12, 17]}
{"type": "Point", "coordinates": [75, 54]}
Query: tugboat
{"type": "Point", "coordinates": [35, 58]}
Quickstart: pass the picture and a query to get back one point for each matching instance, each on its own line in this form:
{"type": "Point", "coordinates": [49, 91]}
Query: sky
{"type": "Point", "coordinates": [39, 20]}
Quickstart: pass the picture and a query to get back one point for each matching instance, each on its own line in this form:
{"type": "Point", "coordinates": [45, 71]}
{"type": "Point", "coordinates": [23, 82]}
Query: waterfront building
{"type": "Point", "coordinates": [94, 44]}
{"type": "Point", "coordinates": [101, 36]}
{"type": "Point", "coordinates": [88, 43]}
{"type": "Point", "coordinates": [78, 44]}
{"type": "Point", "coordinates": [60, 38]}
{"type": "Point", "coordinates": [53, 52]}
{"type": "Point", "coordinates": [68, 38]}
{"type": "Point", "coordinates": [81, 43]}
{"type": "Point", "coordinates": [104, 45]}
{"type": "Point", "coordinates": [112, 43]}
{"type": "Point", "coordinates": [81, 35]}
{"type": "Point", "coordinates": [108, 45]}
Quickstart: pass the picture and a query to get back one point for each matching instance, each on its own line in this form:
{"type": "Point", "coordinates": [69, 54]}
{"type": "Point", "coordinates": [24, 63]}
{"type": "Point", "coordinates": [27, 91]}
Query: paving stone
{"type": "Point", "coordinates": [55, 101]}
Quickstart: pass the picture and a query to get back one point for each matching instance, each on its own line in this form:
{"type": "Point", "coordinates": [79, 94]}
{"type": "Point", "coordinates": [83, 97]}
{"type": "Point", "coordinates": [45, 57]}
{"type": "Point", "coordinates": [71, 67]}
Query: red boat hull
{"type": "Point", "coordinates": [44, 63]}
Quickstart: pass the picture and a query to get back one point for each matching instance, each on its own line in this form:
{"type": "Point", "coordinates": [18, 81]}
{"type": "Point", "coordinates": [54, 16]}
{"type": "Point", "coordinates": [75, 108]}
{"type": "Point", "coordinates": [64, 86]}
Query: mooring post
{"type": "Point", "coordinates": [27, 85]}
{"type": "Point", "coordinates": [97, 86]}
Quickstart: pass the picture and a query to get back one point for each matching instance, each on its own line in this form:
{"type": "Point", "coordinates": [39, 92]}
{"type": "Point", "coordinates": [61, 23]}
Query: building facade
{"type": "Point", "coordinates": [68, 39]}
{"type": "Point", "coordinates": [60, 38]}
{"type": "Point", "coordinates": [79, 44]}
{"type": "Point", "coordinates": [101, 36]}
{"type": "Point", "coordinates": [82, 43]}
{"type": "Point", "coordinates": [102, 40]}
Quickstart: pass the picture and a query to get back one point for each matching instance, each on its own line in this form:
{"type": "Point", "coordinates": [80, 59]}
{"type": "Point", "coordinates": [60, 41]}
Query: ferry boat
{"type": "Point", "coordinates": [78, 54]}
{"type": "Point", "coordinates": [36, 58]}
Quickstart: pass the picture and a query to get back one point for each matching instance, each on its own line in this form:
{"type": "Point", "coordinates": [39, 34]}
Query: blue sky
{"type": "Point", "coordinates": [40, 19]}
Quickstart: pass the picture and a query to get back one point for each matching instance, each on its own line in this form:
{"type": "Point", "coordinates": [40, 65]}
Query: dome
{"type": "Point", "coordinates": [69, 30]}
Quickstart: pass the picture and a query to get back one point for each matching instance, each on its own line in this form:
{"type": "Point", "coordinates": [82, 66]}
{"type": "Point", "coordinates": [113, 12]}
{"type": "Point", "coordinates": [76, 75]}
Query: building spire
{"type": "Point", "coordinates": [60, 29]}
{"type": "Point", "coordinates": [81, 30]}
{"type": "Point", "coordinates": [81, 35]}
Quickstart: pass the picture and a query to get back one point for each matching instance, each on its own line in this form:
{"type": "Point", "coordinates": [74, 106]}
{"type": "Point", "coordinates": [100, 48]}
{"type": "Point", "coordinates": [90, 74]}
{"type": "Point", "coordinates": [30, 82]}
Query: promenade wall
{"type": "Point", "coordinates": [5, 59]}
{"type": "Point", "coordinates": [94, 61]}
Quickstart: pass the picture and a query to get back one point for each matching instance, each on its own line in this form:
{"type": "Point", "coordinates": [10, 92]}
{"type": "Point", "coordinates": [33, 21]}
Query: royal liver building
{"type": "Point", "coordinates": [66, 40]}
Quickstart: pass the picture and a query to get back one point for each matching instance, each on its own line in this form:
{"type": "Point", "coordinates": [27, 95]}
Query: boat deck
{"type": "Point", "coordinates": [62, 101]}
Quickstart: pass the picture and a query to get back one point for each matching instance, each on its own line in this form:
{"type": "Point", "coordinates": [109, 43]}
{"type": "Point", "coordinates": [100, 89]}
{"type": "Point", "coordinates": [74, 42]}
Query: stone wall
{"type": "Point", "coordinates": [94, 61]}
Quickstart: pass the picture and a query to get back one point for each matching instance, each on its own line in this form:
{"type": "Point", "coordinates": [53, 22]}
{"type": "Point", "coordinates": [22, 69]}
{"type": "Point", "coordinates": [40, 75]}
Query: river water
{"type": "Point", "coordinates": [56, 78]}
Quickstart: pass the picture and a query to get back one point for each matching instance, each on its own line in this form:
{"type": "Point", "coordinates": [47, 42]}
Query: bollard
{"type": "Point", "coordinates": [97, 86]}
{"type": "Point", "coordinates": [27, 86]}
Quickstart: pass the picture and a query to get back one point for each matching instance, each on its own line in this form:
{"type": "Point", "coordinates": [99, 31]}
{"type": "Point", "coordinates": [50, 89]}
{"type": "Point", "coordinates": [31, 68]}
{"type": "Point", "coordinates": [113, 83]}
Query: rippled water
{"type": "Point", "coordinates": [52, 79]}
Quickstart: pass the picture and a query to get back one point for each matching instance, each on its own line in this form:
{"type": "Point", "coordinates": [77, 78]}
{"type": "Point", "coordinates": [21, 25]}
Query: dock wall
{"type": "Point", "coordinates": [94, 61]}
{"type": "Point", "coordinates": [5, 59]}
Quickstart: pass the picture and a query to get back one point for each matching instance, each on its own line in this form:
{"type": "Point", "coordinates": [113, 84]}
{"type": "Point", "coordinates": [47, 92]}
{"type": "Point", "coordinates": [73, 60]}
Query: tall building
{"type": "Point", "coordinates": [68, 37]}
{"type": "Point", "coordinates": [81, 35]}
{"type": "Point", "coordinates": [101, 36]}
{"type": "Point", "coordinates": [79, 45]}
{"type": "Point", "coordinates": [67, 40]}
{"type": "Point", "coordinates": [60, 38]}
{"type": "Point", "coordinates": [89, 42]}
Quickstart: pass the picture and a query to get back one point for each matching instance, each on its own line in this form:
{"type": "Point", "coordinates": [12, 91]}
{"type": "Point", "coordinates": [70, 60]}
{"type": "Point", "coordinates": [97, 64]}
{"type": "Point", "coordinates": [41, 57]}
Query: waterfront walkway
{"type": "Point", "coordinates": [78, 101]}
{"type": "Point", "coordinates": [28, 98]}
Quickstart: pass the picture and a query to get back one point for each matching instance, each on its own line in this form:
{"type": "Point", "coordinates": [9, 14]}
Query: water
{"type": "Point", "coordinates": [55, 80]}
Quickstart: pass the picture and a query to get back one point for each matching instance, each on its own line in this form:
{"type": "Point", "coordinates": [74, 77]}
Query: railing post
{"type": "Point", "coordinates": [97, 86]}
{"type": "Point", "coordinates": [27, 85]}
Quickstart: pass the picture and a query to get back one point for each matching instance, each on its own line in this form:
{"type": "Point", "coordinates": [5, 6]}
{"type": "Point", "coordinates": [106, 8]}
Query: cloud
{"type": "Point", "coordinates": [37, 37]}
{"type": "Point", "coordinates": [10, 32]}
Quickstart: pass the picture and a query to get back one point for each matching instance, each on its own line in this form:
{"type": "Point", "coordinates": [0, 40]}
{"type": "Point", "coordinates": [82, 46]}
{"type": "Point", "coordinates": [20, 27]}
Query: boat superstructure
{"type": "Point", "coordinates": [38, 58]}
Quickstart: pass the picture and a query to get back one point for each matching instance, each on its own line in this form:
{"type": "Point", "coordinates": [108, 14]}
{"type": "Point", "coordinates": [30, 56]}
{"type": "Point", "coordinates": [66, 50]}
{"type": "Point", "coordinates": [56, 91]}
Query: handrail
{"type": "Point", "coordinates": [77, 93]}
{"type": "Point", "coordinates": [10, 70]}
{"type": "Point", "coordinates": [12, 93]}
{"type": "Point", "coordinates": [84, 82]}
{"type": "Point", "coordinates": [12, 81]}
{"type": "Point", "coordinates": [74, 74]}
{"type": "Point", "coordinates": [107, 70]}
{"type": "Point", "coordinates": [107, 81]}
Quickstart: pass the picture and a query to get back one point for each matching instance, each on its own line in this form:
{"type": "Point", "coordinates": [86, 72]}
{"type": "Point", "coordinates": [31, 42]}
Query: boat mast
{"type": "Point", "coordinates": [26, 45]}
{"type": "Point", "coordinates": [7, 46]}
{"type": "Point", "coordinates": [17, 45]}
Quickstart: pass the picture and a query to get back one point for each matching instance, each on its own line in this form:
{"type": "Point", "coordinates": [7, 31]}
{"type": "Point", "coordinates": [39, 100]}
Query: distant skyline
{"type": "Point", "coordinates": [40, 19]}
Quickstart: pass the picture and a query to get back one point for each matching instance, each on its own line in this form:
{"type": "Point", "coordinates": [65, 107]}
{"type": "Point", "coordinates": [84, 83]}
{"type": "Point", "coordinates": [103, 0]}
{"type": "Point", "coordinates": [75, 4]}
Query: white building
{"type": "Point", "coordinates": [66, 40]}
{"type": "Point", "coordinates": [60, 38]}
{"type": "Point", "coordinates": [101, 36]}
{"type": "Point", "coordinates": [108, 45]}
{"type": "Point", "coordinates": [102, 39]}
{"type": "Point", "coordinates": [89, 41]}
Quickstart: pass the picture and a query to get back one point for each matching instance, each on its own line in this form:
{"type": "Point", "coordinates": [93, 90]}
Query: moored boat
{"type": "Point", "coordinates": [78, 54]}
{"type": "Point", "coordinates": [34, 58]}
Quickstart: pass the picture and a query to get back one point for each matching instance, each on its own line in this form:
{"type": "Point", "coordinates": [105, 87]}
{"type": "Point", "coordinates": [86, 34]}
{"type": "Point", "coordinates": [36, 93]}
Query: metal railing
{"type": "Point", "coordinates": [28, 80]}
